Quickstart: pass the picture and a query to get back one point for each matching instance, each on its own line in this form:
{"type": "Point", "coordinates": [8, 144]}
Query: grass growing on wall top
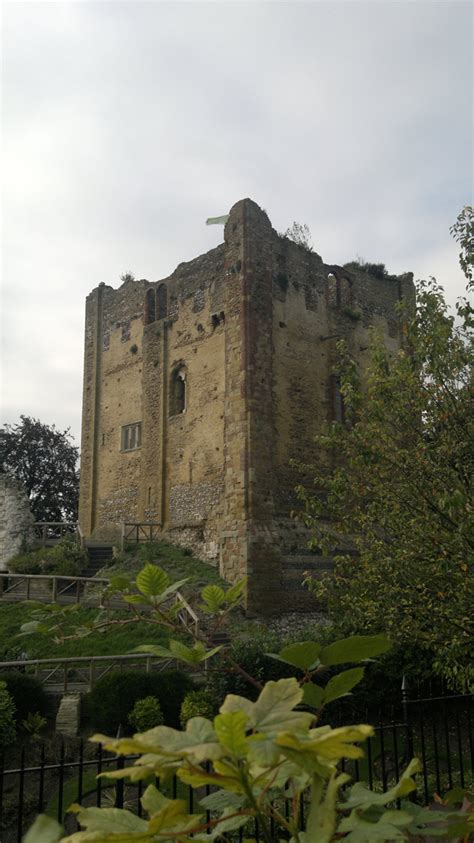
{"type": "Point", "coordinates": [176, 561]}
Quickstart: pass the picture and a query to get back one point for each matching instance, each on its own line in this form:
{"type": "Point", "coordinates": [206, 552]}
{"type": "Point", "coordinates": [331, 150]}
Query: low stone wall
{"type": "Point", "coordinates": [16, 519]}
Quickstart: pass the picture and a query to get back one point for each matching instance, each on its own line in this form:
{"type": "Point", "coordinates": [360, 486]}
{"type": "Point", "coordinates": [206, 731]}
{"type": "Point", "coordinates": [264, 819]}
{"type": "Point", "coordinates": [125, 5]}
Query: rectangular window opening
{"type": "Point", "coordinates": [132, 436]}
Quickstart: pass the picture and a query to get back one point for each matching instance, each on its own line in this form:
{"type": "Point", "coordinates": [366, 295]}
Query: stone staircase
{"type": "Point", "coordinates": [98, 555]}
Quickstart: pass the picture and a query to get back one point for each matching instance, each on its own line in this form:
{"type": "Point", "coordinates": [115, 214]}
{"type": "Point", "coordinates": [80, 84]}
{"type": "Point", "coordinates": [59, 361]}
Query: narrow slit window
{"type": "Point", "coordinates": [132, 436]}
{"type": "Point", "coordinates": [150, 307]}
{"type": "Point", "coordinates": [162, 301]}
{"type": "Point", "coordinates": [338, 409]}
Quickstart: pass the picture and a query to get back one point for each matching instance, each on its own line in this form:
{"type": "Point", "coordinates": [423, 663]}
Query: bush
{"type": "Point", "coordinates": [196, 704]}
{"type": "Point", "coordinates": [7, 718]}
{"type": "Point", "coordinates": [146, 714]}
{"type": "Point", "coordinates": [64, 558]}
{"type": "Point", "coordinates": [28, 695]}
{"type": "Point", "coordinates": [112, 699]}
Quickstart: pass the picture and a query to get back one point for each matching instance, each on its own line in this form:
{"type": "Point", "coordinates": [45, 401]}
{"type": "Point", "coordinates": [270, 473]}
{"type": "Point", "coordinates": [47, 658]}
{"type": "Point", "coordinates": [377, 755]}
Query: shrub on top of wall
{"type": "Point", "coordinates": [28, 695]}
{"type": "Point", "coordinates": [113, 697]}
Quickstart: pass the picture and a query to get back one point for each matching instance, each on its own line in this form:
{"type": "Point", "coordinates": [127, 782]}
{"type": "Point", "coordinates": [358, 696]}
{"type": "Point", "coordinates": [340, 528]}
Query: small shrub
{"type": "Point", "coordinates": [33, 725]}
{"type": "Point", "coordinates": [196, 704]}
{"type": "Point", "coordinates": [28, 695]}
{"type": "Point", "coordinates": [146, 714]}
{"type": "Point", "coordinates": [64, 558]}
{"type": "Point", "coordinates": [7, 718]}
{"type": "Point", "coordinates": [112, 699]}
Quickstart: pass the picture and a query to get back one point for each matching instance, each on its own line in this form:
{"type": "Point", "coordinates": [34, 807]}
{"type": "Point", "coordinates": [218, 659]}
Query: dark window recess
{"type": "Point", "coordinates": [149, 307]}
{"type": "Point", "coordinates": [131, 436]}
{"type": "Point", "coordinates": [338, 409]}
{"type": "Point", "coordinates": [162, 301]}
{"type": "Point", "coordinates": [178, 392]}
{"type": "Point", "coordinates": [218, 319]}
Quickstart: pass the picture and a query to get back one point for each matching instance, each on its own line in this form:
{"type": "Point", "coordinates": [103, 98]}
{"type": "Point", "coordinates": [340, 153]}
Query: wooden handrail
{"type": "Point", "coordinates": [139, 530]}
{"type": "Point", "coordinates": [73, 659]}
{"type": "Point", "coordinates": [94, 580]}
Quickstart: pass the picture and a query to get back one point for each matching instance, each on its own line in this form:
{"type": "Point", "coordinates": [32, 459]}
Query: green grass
{"type": "Point", "coordinates": [116, 639]}
{"type": "Point", "coordinates": [178, 563]}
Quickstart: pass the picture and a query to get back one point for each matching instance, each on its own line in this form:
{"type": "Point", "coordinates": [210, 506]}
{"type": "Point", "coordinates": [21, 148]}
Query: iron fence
{"type": "Point", "coordinates": [438, 730]}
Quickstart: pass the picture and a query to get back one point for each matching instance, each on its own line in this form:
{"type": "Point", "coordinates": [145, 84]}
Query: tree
{"type": "Point", "coordinates": [44, 460]}
{"type": "Point", "coordinates": [463, 232]}
{"type": "Point", "coordinates": [397, 492]}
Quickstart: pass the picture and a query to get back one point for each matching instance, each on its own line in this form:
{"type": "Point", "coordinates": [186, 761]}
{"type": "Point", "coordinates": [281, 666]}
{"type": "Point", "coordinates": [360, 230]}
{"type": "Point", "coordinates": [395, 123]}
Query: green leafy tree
{"type": "Point", "coordinates": [396, 492]}
{"type": "Point", "coordinates": [45, 461]}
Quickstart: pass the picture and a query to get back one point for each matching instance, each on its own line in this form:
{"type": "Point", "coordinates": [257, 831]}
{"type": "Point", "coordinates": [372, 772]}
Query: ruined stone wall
{"type": "Point", "coordinates": [176, 477]}
{"type": "Point", "coordinates": [16, 520]}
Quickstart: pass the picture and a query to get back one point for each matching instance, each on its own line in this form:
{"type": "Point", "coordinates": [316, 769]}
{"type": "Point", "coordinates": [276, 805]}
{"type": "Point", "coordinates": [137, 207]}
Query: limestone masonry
{"type": "Point", "coordinates": [200, 389]}
{"type": "Point", "coordinates": [16, 519]}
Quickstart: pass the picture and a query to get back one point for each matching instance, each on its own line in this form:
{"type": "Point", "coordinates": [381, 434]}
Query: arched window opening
{"type": "Point", "coordinates": [149, 306]}
{"type": "Point", "coordinates": [162, 301]}
{"type": "Point", "coordinates": [178, 392]}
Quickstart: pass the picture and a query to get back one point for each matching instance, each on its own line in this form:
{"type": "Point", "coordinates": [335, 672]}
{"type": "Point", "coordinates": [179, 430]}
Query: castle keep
{"type": "Point", "coordinates": [201, 389]}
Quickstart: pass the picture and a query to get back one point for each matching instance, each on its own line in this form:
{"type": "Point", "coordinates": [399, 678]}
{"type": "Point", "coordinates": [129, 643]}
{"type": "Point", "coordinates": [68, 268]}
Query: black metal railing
{"type": "Point", "coordinates": [437, 730]}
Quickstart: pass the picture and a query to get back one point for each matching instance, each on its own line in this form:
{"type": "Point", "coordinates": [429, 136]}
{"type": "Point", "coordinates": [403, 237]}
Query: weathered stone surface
{"type": "Point", "coordinates": [16, 519]}
{"type": "Point", "coordinates": [252, 328]}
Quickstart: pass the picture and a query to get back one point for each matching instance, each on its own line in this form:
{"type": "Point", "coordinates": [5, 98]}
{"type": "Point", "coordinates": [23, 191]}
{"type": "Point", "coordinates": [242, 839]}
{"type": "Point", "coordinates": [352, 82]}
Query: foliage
{"type": "Point", "coordinates": [7, 718]}
{"type": "Point", "coordinates": [463, 232]}
{"type": "Point", "coordinates": [255, 755]}
{"type": "Point", "coordinates": [252, 656]}
{"type": "Point", "coordinates": [64, 558]}
{"type": "Point", "coordinates": [196, 704]}
{"type": "Point", "coordinates": [300, 234]}
{"type": "Point", "coordinates": [399, 493]}
{"type": "Point", "coordinates": [44, 460]}
{"type": "Point", "coordinates": [146, 714]}
{"type": "Point", "coordinates": [33, 724]}
{"type": "Point", "coordinates": [114, 696]}
{"type": "Point", "coordinates": [28, 694]}
{"type": "Point", "coordinates": [377, 270]}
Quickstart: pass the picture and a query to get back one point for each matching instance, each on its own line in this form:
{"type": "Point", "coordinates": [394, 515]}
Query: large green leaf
{"type": "Point", "coordinates": [152, 580]}
{"type": "Point", "coordinates": [273, 710]}
{"type": "Point", "coordinates": [109, 819]}
{"type": "Point", "coordinates": [213, 596]}
{"type": "Point", "coordinates": [342, 683]}
{"type": "Point", "coordinates": [354, 649]}
{"type": "Point", "coordinates": [313, 695]}
{"type": "Point", "coordinates": [304, 655]}
{"type": "Point", "coordinates": [230, 729]}
{"type": "Point", "coordinates": [43, 830]}
{"type": "Point", "coordinates": [390, 826]}
{"type": "Point", "coordinates": [360, 796]}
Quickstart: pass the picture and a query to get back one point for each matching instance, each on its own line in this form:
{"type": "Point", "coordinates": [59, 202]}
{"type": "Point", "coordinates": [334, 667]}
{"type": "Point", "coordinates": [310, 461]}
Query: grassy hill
{"type": "Point", "coordinates": [118, 639]}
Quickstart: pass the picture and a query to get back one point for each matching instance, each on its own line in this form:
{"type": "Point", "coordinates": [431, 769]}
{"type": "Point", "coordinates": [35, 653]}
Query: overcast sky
{"type": "Point", "coordinates": [125, 125]}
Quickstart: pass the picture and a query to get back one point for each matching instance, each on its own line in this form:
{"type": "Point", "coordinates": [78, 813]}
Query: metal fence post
{"type": "Point", "coordinates": [410, 752]}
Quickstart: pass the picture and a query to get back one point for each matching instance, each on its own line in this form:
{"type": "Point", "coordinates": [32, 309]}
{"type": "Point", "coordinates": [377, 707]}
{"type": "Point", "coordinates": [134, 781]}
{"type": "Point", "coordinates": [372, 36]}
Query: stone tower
{"type": "Point", "coordinates": [202, 388]}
